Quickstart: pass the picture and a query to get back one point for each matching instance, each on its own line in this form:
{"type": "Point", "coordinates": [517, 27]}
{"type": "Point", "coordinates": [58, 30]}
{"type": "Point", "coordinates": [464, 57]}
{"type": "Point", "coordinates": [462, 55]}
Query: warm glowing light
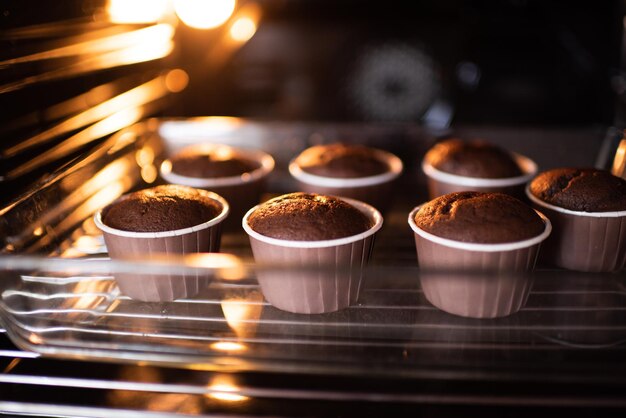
{"type": "Point", "coordinates": [144, 156]}
{"type": "Point", "coordinates": [223, 388]}
{"type": "Point", "coordinates": [137, 11]}
{"type": "Point", "coordinates": [242, 313]}
{"type": "Point", "coordinates": [176, 80]}
{"type": "Point", "coordinates": [38, 231]}
{"type": "Point", "coordinates": [214, 260]}
{"type": "Point", "coordinates": [88, 245]}
{"type": "Point", "coordinates": [223, 153]}
{"type": "Point", "coordinates": [228, 397]}
{"type": "Point", "coordinates": [619, 161]}
{"type": "Point", "coordinates": [35, 339]}
{"type": "Point", "coordinates": [243, 29]}
{"type": "Point", "coordinates": [149, 173]}
{"type": "Point", "coordinates": [228, 346]}
{"type": "Point", "coordinates": [204, 14]}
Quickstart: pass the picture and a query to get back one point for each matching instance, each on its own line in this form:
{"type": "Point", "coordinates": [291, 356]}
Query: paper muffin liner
{"type": "Point", "coordinates": [441, 183]}
{"type": "Point", "coordinates": [168, 286]}
{"type": "Point", "coordinates": [376, 190]}
{"type": "Point", "coordinates": [501, 289]}
{"type": "Point", "coordinates": [319, 276]}
{"type": "Point", "coordinates": [584, 241]}
{"type": "Point", "coordinates": [241, 192]}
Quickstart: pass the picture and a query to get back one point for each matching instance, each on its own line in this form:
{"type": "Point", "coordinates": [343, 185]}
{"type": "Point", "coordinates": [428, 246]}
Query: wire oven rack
{"type": "Point", "coordinates": [573, 325]}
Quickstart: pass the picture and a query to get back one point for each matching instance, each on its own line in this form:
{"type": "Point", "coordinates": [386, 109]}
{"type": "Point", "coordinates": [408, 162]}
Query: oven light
{"type": "Point", "coordinates": [137, 11]}
{"type": "Point", "coordinates": [204, 14]}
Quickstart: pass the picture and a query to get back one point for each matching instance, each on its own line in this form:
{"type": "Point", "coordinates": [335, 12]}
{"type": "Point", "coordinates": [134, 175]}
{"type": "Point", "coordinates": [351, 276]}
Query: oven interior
{"type": "Point", "coordinates": [93, 101]}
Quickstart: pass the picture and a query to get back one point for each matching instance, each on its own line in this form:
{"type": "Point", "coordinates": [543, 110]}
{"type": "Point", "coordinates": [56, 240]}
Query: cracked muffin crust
{"type": "Point", "coordinates": [581, 189]}
{"type": "Point", "coordinates": [476, 217]}
{"type": "Point", "coordinates": [308, 217]}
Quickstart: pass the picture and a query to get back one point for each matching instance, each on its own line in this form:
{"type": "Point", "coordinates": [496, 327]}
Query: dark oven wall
{"type": "Point", "coordinates": [466, 62]}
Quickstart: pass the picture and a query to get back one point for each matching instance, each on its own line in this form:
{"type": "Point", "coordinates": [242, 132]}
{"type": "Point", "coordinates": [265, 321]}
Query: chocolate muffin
{"type": "Point", "coordinates": [581, 189]}
{"type": "Point", "coordinates": [221, 162]}
{"type": "Point", "coordinates": [308, 217]}
{"type": "Point", "coordinates": [478, 217]}
{"type": "Point", "coordinates": [473, 159]}
{"type": "Point", "coordinates": [162, 208]}
{"type": "Point", "coordinates": [341, 161]}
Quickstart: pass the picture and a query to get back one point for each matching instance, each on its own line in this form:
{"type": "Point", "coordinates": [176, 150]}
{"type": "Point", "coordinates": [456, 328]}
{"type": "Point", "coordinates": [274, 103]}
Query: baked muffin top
{"type": "Point", "coordinates": [475, 158]}
{"type": "Point", "coordinates": [580, 189]}
{"type": "Point", "coordinates": [161, 208]}
{"type": "Point", "coordinates": [308, 217]}
{"type": "Point", "coordinates": [221, 162]}
{"type": "Point", "coordinates": [341, 161]}
{"type": "Point", "coordinates": [476, 217]}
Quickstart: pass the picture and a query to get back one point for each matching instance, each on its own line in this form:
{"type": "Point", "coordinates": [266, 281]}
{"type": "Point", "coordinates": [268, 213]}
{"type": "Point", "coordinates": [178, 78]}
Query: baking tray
{"type": "Point", "coordinates": [58, 296]}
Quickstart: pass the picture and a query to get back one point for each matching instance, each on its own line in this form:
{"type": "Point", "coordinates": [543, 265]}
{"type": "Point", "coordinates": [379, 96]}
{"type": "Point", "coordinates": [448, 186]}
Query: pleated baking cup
{"type": "Point", "coordinates": [441, 183]}
{"type": "Point", "coordinates": [376, 190]}
{"type": "Point", "coordinates": [584, 241]}
{"type": "Point", "coordinates": [242, 191]}
{"type": "Point", "coordinates": [485, 280]}
{"type": "Point", "coordinates": [204, 237]}
{"type": "Point", "coordinates": [319, 276]}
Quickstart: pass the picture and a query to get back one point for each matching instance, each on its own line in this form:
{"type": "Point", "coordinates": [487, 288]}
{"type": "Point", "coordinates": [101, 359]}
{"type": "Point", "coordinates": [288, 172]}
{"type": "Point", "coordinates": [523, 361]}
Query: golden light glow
{"type": "Point", "coordinates": [149, 173]}
{"type": "Point", "coordinates": [140, 95]}
{"type": "Point", "coordinates": [619, 161]}
{"type": "Point", "coordinates": [35, 339]}
{"type": "Point", "coordinates": [89, 294]}
{"type": "Point", "coordinates": [242, 313]}
{"type": "Point", "coordinates": [38, 231]}
{"type": "Point", "coordinates": [137, 11]}
{"type": "Point", "coordinates": [204, 14]}
{"type": "Point", "coordinates": [223, 388]}
{"type": "Point", "coordinates": [243, 29]}
{"type": "Point", "coordinates": [144, 156]}
{"type": "Point", "coordinates": [214, 260]}
{"type": "Point", "coordinates": [176, 80]}
{"type": "Point", "coordinates": [87, 244]}
{"type": "Point", "coordinates": [228, 346]}
{"type": "Point", "coordinates": [223, 153]}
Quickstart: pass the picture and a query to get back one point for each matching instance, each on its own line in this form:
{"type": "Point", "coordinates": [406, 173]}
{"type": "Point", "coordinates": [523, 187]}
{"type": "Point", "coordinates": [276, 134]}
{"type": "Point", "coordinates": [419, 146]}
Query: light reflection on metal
{"type": "Point", "coordinates": [88, 294]}
{"type": "Point", "coordinates": [88, 244]}
{"type": "Point", "coordinates": [121, 49]}
{"type": "Point", "coordinates": [64, 109]}
{"type": "Point", "coordinates": [224, 388]}
{"type": "Point", "coordinates": [11, 365]}
{"type": "Point", "coordinates": [118, 41]}
{"type": "Point", "coordinates": [204, 14]}
{"type": "Point", "coordinates": [137, 96]}
{"type": "Point", "coordinates": [619, 161]}
{"type": "Point", "coordinates": [110, 183]}
{"type": "Point", "coordinates": [106, 126]}
{"type": "Point", "coordinates": [93, 203]}
{"type": "Point", "coordinates": [137, 11]}
{"type": "Point", "coordinates": [243, 312]}
{"type": "Point", "coordinates": [228, 346]}
{"type": "Point", "coordinates": [215, 261]}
